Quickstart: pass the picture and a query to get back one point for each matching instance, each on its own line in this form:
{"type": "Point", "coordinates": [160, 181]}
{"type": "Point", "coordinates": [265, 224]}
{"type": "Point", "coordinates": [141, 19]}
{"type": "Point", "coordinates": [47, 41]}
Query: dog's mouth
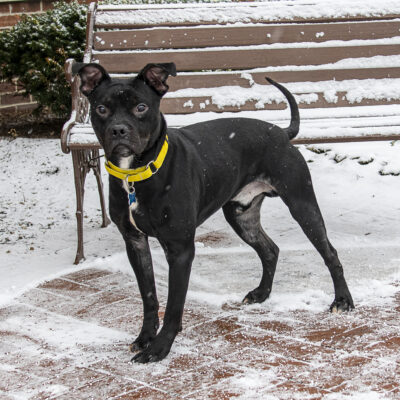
{"type": "Point", "coordinates": [122, 150]}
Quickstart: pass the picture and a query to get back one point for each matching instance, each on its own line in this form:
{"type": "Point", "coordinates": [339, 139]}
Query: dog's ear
{"type": "Point", "coordinates": [91, 76]}
{"type": "Point", "coordinates": [155, 75]}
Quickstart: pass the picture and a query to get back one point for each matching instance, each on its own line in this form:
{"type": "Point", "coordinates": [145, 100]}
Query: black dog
{"type": "Point", "coordinates": [166, 182]}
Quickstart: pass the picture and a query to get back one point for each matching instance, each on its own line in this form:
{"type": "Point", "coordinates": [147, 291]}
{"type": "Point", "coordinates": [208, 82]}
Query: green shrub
{"type": "Point", "coordinates": [35, 50]}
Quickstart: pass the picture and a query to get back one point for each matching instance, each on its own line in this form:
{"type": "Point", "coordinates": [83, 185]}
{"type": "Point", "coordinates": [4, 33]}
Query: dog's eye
{"type": "Point", "coordinates": [141, 108]}
{"type": "Point", "coordinates": [102, 110]}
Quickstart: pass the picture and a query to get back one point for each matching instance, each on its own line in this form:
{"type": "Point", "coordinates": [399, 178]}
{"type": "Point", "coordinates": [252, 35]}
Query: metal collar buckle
{"type": "Point", "coordinates": [152, 167]}
{"type": "Point", "coordinates": [128, 184]}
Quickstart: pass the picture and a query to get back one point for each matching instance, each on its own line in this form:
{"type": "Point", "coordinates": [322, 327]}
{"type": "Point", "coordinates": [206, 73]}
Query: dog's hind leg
{"type": "Point", "coordinates": [296, 190]}
{"type": "Point", "coordinates": [245, 220]}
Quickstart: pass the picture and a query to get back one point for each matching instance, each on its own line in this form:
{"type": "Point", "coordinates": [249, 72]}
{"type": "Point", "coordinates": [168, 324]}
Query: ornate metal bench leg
{"type": "Point", "coordinates": [81, 169]}
{"type": "Point", "coordinates": [95, 165]}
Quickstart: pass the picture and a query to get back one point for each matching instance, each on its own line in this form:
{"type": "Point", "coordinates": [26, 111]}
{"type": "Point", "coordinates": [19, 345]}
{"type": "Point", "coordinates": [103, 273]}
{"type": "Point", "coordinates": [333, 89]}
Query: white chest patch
{"type": "Point", "coordinates": [124, 163]}
{"type": "Point", "coordinates": [250, 191]}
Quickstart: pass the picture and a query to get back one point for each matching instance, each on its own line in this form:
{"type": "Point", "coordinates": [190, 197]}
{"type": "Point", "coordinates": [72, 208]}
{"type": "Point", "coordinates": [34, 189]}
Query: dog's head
{"type": "Point", "coordinates": [125, 114]}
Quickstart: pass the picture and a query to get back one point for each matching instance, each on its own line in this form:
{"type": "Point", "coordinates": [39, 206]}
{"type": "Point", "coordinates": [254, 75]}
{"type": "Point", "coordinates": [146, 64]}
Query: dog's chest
{"type": "Point", "coordinates": [132, 197]}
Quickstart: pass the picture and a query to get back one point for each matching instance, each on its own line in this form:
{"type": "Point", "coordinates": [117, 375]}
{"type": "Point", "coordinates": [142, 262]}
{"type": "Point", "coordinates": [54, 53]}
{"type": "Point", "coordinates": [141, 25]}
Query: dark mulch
{"type": "Point", "coordinates": [27, 125]}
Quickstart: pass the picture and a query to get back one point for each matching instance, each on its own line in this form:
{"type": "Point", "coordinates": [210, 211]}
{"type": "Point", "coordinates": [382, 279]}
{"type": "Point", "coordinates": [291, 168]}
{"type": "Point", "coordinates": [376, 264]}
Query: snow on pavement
{"type": "Point", "coordinates": [358, 189]}
{"type": "Point", "coordinates": [356, 186]}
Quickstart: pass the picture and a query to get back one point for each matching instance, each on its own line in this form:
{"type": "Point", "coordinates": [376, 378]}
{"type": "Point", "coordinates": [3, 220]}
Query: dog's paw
{"type": "Point", "coordinates": [136, 346]}
{"type": "Point", "coordinates": [256, 296]}
{"type": "Point", "coordinates": [142, 342]}
{"type": "Point", "coordinates": [341, 305]}
{"type": "Point", "coordinates": [154, 352]}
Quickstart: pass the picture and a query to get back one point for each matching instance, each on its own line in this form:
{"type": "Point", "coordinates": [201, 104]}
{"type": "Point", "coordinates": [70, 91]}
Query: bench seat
{"type": "Point", "coordinates": [318, 125]}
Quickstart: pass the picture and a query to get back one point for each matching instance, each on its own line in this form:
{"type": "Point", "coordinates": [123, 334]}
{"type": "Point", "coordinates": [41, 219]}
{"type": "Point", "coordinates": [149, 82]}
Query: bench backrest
{"type": "Point", "coordinates": [217, 46]}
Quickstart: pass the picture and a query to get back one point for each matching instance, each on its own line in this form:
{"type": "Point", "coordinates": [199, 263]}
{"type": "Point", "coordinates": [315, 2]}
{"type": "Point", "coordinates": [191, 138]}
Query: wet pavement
{"type": "Point", "coordinates": [69, 339]}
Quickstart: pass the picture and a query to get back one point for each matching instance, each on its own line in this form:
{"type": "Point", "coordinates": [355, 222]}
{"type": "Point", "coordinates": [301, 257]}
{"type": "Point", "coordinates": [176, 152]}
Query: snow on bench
{"type": "Point", "coordinates": [362, 123]}
{"type": "Point", "coordinates": [234, 13]}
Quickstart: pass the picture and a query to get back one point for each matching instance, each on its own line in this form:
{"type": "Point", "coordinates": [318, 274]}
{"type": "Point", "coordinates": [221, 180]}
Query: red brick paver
{"type": "Point", "coordinates": [68, 339]}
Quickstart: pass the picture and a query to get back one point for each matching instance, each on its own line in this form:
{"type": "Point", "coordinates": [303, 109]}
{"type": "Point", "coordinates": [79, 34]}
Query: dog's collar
{"type": "Point", "coordinates": [141, 173]}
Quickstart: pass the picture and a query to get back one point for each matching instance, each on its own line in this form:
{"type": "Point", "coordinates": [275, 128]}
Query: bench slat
{"type": "Point", "coordinates": [132, 16]}
{"type": "Point", "coordinates": [242, 79]}
{"type": "Point", "coordinates": [146, 25]}
{"type": "Point", "coordinates": [122, 62]}
{"type": "Point", "coordinates": [187, 105]}
{"type": "Point", "coordinates": [209, 80]}
{"type": "Point", "coordinates": [170, 38]}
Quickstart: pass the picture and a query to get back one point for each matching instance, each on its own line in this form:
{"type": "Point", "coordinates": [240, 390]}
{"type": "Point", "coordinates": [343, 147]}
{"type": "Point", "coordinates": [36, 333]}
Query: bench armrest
{"type": "Point", "coordinates": [80, 106]}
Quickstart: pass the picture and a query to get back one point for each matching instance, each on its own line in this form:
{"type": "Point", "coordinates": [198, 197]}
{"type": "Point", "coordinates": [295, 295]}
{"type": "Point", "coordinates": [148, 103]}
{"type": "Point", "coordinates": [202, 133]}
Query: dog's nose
{"type": "Point", "coordinates": [119, 130]}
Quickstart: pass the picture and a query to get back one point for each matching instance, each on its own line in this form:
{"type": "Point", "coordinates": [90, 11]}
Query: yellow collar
{"type": "Point", "coordinates": [141, 173]}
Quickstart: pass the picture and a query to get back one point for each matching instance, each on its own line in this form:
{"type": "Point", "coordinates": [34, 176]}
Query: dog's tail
{"type": "Point", "coordinates": [293, 129]}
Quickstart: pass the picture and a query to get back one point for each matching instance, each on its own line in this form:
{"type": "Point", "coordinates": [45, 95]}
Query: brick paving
{"type": "Point", "coordinates": [68, 339]}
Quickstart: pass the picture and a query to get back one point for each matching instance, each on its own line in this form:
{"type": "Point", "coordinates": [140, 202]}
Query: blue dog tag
{"type": "Point", "coordinates": [132, 197]}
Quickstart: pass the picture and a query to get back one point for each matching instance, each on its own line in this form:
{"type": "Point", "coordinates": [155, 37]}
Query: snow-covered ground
{"type": "Point", "coordinates": [357, 185]}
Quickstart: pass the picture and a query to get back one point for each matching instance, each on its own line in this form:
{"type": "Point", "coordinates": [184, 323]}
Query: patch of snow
{"type": "Point", "coordinates": [329, 122]}
{"type": "Point", "coordinates": [330, 96]}
{"type": "Point", "coordinates": [188, 103]}
{"type": "Point", "coordinates": [355, 90]}
{"type": "Point", "coordinates": [365, 395]}
{"type": "Point", "coordinates": [357, 201]}
{"type": "Point", "coordinates": [244, 13]}
{"type": "Point", "coordinates": [360, 208]}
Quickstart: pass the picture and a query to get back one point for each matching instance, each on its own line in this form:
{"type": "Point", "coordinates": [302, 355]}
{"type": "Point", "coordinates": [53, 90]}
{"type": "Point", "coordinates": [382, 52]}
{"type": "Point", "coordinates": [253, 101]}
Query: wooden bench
{"type": "Point", "coordinates": [342, 66]}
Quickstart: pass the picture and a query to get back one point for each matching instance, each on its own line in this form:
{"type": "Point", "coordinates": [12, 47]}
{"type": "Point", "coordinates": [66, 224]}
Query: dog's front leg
{"type": "Point", "coordinates": [180, 259]}
{"type": "Point", "coordinates": [139, 255]}
{"type": "Point", "coordinates": [138, 251]}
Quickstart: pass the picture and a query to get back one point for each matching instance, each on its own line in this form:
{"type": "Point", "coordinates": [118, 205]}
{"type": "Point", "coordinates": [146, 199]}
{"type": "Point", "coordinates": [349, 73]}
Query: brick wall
{"type": "Point", "coordinates": [11, 11]}
{"type": "Point", "coordinates": [11, 99]}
